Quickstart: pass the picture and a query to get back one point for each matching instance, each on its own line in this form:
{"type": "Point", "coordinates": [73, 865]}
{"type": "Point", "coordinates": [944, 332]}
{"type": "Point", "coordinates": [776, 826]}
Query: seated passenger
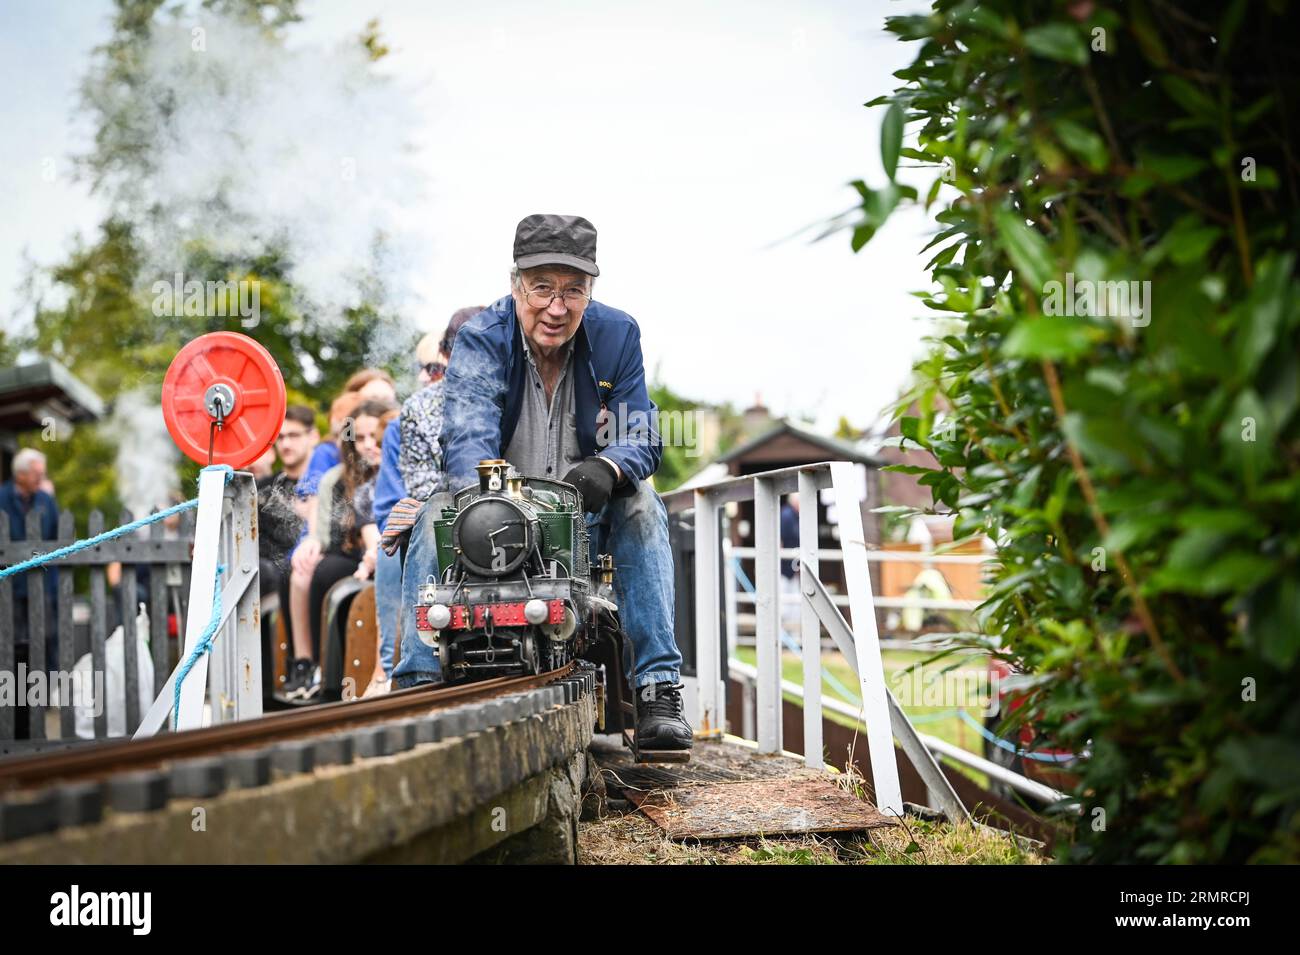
{"type": "Point", "coordinates": [389, 491]}
{"type": "Point", "coordinates": [307, 553]}
{"type": "Point", "coordinates": [554, 383]}
{"type": "Point", "coordinates": [421, 422]}
{"type": "Point", "coordinates": [279, 519]}
{"type": "Point", "coordinates": [344, 533]}
{"type": "Point", "coordinates": [411, 458]}
{"type": "Point", "coordinates": [369, 384]}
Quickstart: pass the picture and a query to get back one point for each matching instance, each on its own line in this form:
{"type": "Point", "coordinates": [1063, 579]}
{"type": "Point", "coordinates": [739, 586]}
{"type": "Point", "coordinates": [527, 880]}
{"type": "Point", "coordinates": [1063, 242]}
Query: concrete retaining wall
{"type": "Point", "coordinates": [445, 801]}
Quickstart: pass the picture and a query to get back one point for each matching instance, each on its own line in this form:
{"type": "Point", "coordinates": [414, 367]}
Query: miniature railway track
{"type": "Point", "coordinates": [107, 759]}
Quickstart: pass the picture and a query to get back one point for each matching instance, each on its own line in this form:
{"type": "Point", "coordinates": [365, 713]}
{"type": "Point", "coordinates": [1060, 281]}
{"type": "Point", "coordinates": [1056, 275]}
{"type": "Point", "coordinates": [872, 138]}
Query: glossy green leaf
{"type": "Point", "coordinates": [1057, 41]}
{"type": "Point", "coordinates": [1052, 337]}
{"type": "Point", "coordinates": [1029, 253]}
{"type": "Point", "coordinates": [1084, 143]}
{"type": "Point", "coordinates": [891, 138]}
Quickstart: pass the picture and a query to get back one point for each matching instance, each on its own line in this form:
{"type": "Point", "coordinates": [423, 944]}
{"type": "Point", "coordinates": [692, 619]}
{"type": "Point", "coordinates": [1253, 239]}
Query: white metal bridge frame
{"type": "Point", "coordinates": [883, 715]}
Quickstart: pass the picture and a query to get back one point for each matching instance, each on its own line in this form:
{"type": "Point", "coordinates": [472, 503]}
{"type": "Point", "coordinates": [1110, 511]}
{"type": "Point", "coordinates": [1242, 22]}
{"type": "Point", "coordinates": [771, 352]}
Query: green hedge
{"type": "Point", "coordinates": [1136, 464]}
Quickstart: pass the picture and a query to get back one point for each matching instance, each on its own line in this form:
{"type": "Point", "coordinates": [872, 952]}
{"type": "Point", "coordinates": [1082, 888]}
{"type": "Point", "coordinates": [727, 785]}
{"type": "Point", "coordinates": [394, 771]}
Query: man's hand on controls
{"type": "Point", "coordinates": [595, 479]}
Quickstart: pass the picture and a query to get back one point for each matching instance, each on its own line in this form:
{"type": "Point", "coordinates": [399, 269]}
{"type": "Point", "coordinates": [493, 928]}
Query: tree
{"type": "Point", "coordinates": [1114, 270]}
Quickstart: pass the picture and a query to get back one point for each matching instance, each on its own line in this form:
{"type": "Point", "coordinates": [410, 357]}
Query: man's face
{"type": "Point", "coordinates": [548, 327]}
{"type": "Point", "coordinates": [294, 443]}
{"type": "Point", "coordinates": [29, 481]}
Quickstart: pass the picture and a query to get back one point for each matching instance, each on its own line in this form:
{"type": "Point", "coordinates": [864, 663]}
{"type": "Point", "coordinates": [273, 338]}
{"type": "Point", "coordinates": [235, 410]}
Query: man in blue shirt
{"type": "Point", "coordinates": [19, 496]}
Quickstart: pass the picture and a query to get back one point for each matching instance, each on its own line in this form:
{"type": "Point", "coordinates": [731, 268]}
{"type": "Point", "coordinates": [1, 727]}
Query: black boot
{"type": "Point", "coordinates": [660, 724]}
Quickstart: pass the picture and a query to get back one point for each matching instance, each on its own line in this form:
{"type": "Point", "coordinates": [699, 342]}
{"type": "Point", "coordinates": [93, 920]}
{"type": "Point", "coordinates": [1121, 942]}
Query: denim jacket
{"type": "Point", "coordinates": [485, 383]}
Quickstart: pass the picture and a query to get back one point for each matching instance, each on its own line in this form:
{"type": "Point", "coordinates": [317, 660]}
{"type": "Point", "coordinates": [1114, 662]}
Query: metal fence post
{"type": "Point", "coordinates": [236, 674]}
{"type": "Point", "coordinates": [810, 626]}
{"type": "Point", "coordinates": [711, 719]}
{"type": "Point", "coordinates": [207, 542]}
{"type": "Point", "coordinates": [866, 639]}
{"type": "Point", "coordinates": [767, 571]}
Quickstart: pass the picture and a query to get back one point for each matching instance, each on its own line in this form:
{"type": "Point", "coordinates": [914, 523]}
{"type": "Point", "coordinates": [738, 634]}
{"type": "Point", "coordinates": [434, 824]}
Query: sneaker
{"type": "Point", "coordinates": [311, 687]}
{"type": "Point", "coordinates": [296, 680]}
{"type": "Point", "coordinates": [660, 724]}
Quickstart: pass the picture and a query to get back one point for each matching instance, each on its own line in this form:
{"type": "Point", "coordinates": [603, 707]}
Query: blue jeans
{"type": "Point", "coordinates": [633, 529]}
{"type": "Point", "coordinates": [388, 601]}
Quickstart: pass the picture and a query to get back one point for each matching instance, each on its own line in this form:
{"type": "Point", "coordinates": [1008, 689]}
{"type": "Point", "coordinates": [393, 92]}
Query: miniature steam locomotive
{"type": "Point", "coordinates": [515, 591]}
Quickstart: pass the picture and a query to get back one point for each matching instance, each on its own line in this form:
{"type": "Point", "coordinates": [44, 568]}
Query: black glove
{"type": "Point", "coordinates": [594, 478]}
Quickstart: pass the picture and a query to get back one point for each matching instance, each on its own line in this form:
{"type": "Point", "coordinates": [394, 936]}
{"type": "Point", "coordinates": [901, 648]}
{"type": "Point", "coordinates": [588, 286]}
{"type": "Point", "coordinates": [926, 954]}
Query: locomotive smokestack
{"type": "Point", "coordinates": [492, 474]}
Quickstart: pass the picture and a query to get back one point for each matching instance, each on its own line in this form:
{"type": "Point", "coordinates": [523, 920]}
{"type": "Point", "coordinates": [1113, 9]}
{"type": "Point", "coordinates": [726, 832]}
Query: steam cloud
{"type": "Point", "coordinates": [146, 456]}
{"type": "Point", "coordinates": [255, 146]}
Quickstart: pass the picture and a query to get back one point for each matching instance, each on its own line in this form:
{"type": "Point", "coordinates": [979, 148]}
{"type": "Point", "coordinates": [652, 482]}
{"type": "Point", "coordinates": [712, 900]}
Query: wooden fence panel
{"type": "Point", "coordinates": [49, 638]}
{"type": "Point", "coordinates": [7, 639]}
{"type": "Point", "coordinates": [130, 645]}
{"type": "Point", "coordinates": [35, 631]}
{"type": "Point", "coordinates": [67, 637]}
{"type": "Point", "coordinates": [158, 614]}
{"type": "Point", "coordinates": [98, 627]}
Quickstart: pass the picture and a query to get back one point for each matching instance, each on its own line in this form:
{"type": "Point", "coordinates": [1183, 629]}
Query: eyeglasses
{"type": "Point", "coordinates": [541, 296]}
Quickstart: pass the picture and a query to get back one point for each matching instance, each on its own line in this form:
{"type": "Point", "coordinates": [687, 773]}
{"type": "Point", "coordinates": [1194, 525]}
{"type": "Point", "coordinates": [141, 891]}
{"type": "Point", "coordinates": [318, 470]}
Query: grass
{"type": "Point", "coordinates": [927, 719]}
{"type": "Point", "coordinates": [633, 839]}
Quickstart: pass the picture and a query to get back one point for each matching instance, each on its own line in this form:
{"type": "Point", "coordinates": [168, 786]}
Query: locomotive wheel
{"type": "Point", "coordinates": [228, 377]}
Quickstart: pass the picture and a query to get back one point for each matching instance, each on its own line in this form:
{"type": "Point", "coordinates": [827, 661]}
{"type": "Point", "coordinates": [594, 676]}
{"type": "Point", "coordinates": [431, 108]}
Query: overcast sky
{"type": "Point", "coordinates": [698, 137]}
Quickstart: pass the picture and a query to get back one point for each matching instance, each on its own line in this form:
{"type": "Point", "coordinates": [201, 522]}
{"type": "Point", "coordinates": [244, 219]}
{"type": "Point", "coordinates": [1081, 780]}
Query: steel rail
{"type": "Point", "coordinates": [128, 755]}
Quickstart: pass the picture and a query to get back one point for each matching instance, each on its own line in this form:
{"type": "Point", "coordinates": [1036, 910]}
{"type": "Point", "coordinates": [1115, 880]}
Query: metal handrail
{"type": "Point", "coordinates": [881, 556]}
{"type": "Point", "coordinates": [897, 603]}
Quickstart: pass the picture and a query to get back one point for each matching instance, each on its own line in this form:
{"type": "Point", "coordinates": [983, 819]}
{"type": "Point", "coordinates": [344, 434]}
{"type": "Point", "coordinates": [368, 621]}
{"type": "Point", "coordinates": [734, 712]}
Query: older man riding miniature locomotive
{"type": "Point", "coordinates": [546, 395]}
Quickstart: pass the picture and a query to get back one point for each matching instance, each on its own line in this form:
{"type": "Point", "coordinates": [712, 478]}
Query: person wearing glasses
{"type": "Point", "coordinates": [554, 382]}
{"type": "Point", "coordinates": [410, 470]}
{"type": "Point", "coordinates": [279, 515]}
{"type": "Point", "coordinates": [280, 512]}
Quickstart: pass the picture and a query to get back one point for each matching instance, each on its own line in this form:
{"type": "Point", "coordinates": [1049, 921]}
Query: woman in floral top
{"type": "Point", "coordinates": [421, 421]}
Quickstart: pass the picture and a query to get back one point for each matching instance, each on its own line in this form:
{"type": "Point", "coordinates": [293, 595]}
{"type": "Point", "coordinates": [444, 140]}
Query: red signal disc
{"type": "Point", "coordinates": [249, 373]}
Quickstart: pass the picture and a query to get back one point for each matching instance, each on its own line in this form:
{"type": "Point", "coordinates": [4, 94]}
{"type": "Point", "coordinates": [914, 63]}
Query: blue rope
{"type": "Point", "coordinates": [202, 646]}
{"type": "Point", "coordinates": [97, 540]}
{"type": "Point", "coordinates": [1000, 743]}
{"type": "Point", "coordinates": [204, 643]}
{"type": "Point", "coordinates": [115, 533]}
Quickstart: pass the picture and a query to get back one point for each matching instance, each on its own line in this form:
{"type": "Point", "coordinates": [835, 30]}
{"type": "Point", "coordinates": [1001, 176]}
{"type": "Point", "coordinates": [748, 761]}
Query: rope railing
{"type": "Point", "coordinates": [204, 643]}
